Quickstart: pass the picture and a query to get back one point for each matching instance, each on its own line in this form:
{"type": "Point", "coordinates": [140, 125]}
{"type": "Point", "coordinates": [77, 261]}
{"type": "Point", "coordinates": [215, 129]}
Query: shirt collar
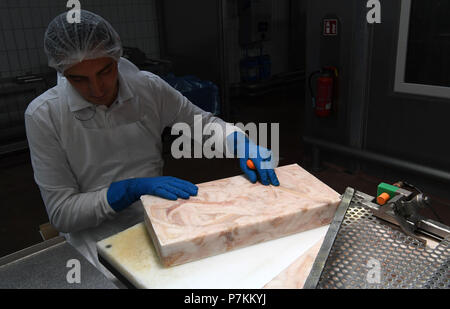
{"type": "Point", "coordinates": [77, 102]}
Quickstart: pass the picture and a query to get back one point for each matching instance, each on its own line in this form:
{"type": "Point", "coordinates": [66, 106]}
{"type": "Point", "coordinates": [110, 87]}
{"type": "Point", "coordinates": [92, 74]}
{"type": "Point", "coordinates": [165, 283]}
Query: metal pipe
{"type": "Point", "coordinates": [13, 147]}
{"type": "Point", "coordinates": [223, 61]}
{"type": "Point", "coordinates": [385, 160]}
{"type": "Point", "coordinates": [162, 34]}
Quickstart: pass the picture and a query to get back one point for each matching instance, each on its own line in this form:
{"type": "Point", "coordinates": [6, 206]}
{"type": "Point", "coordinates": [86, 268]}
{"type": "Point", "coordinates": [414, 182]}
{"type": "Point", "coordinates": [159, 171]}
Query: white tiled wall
{"type": "Point", "coordinates": [23, 24]}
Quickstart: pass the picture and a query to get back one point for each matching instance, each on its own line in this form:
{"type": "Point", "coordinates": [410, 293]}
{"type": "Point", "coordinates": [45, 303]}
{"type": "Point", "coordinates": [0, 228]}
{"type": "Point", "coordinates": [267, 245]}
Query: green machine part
{"type": "Point", "coordinates": [389, 189]}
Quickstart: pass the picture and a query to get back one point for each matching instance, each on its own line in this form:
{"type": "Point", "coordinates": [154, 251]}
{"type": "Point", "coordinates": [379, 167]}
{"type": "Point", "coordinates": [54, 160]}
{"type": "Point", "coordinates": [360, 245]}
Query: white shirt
{"type": "Point", "coordinates": [78, 149]}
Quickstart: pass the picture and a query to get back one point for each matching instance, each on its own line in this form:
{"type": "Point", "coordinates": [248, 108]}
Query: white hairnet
{"type": "Point", "coordinates": [67, 44]}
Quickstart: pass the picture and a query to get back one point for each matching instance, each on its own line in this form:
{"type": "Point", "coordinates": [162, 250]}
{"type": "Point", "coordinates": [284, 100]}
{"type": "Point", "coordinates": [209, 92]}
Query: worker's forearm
{"type": "Point", "coordinates": [226, 130]}
{"type": "Point", "coordinates": [176, 109]}
{"type": "Point", "coordinates": [71, 212]}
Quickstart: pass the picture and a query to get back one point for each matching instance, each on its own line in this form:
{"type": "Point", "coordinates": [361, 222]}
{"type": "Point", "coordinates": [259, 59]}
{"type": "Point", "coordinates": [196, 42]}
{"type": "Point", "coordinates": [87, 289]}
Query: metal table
{"type": "Point", "coordinates": [53, 264]}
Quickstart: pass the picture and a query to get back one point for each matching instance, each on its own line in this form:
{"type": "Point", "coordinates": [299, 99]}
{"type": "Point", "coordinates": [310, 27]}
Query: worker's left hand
{"type": "Point", "coordinates": [260, 156]}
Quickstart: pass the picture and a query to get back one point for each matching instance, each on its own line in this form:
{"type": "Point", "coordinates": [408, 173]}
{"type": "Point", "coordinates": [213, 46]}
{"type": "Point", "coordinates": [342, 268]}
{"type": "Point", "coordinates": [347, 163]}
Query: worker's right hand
{"type": "Point", "coordinates": [123, 193]}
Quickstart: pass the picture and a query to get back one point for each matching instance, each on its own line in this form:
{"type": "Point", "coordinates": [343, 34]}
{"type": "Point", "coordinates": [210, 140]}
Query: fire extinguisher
{"type": "Point", "coordinates": [326, 86]}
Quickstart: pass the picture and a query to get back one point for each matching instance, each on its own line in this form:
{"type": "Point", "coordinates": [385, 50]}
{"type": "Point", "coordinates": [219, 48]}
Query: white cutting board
{"type": "Point", "coordinates": [132, 253]}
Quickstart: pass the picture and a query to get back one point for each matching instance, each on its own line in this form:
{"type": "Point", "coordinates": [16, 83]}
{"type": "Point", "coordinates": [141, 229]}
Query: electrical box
{"type": "Point", "coordinates": [255, 21]}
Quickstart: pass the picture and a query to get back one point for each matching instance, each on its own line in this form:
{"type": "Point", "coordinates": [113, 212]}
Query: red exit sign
{"type": "Point", "coordinates": [330, 27]}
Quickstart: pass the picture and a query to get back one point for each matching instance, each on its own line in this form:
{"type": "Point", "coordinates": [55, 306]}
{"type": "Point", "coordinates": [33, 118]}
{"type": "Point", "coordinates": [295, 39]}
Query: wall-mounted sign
{"type": "Point", "coordinates": [330, 27]}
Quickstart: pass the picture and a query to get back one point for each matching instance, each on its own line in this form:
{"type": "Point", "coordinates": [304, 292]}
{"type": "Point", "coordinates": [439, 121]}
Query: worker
{"type": "Point", "coordinates": [95, 138]}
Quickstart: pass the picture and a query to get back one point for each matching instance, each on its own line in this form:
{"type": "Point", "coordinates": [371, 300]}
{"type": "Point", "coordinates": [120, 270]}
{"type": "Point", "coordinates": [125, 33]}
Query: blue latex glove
{"type": "Point", "coordinates": [123, 193]}
{"type": "Point", "coordinates": [245, 149]}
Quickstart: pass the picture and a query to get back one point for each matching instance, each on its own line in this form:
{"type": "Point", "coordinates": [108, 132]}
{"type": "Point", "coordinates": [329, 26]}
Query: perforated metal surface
{"type": "Point", "coordinates": [367, 253]}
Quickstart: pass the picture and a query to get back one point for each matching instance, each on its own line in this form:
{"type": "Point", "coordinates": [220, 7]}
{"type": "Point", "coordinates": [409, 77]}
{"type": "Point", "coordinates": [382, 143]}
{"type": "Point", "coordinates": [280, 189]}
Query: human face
{"type": "Point", "coordinates": [96, 80]}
